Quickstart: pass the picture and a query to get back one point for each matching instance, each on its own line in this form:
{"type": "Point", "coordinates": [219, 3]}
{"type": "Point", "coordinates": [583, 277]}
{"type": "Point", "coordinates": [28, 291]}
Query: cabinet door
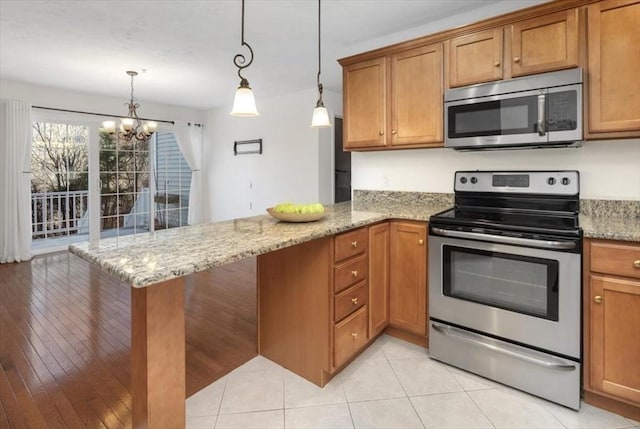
{"type": "Point", "coordinates": [546, 43]}
{"type": "Point", "coordinates": [365, 104]}
{"type": "Point", "coordinates": [378, 278]}
{"type": "Point", "coordinates": [614, 67]}
{"type": "Point", "coordinates": [408, 276]}
{"type": "Point", "coordinates": [416, 96]}
{"type": "Point", "coordinates": [475, 58]}
{"type": "Point", "coordinates": [615, 336]}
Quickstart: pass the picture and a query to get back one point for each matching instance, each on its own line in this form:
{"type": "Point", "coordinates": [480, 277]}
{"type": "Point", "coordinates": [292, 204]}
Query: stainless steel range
{"type": "Point", "coordinates": [505, 282]}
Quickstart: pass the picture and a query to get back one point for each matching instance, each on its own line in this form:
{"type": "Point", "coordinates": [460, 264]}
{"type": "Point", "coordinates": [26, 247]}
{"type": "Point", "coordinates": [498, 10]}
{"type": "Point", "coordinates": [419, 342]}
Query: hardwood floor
{"type": "Point", "coordinates": [65, 339]}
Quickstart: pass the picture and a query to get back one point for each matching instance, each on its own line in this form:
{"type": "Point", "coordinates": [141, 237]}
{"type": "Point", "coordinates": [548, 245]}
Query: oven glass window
{"type": "Point", "coordinates": [499, 117]}
{"type": "Point", "coordinates": [517, 283]}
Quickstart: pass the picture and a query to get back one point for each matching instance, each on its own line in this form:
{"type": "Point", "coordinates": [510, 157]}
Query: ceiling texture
{"type": "Point", "coordinates": [184, 50]}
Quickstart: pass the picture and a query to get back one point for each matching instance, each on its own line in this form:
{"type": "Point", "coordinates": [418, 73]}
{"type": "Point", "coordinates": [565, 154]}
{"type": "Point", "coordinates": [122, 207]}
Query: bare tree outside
{"type": "Point", "coordinates": [59, 180]}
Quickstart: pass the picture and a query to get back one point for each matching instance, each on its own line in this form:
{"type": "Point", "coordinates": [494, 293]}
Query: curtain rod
{"type": "Point", "coordinates": [98, 114]}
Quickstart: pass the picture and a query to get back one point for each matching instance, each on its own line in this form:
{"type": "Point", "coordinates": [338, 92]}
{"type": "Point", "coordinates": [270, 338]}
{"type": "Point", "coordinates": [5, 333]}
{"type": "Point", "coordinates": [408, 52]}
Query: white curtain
{"type": "Point", "coordinates": [189, 138]}
{"type": "Point", "coordinates": [15, 189]}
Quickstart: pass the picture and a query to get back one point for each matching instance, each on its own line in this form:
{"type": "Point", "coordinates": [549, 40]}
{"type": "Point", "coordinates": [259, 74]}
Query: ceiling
{"type": "Point", "coordinates": [187, 47]}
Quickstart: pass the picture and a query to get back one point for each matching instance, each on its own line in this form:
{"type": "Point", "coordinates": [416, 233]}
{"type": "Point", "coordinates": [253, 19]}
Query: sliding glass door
{"type": "Point", "coordinates": [125, 194]}
{"type": "Point", "coordinates": [59, 183]}
{"type": "Point", "coordinates": [87, 184]}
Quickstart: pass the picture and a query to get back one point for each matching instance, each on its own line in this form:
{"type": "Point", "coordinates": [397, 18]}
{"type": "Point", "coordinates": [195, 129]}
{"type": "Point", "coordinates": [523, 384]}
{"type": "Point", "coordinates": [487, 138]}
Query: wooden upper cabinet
{"type": "Point", "coordinates": [365, 90]}
{"type": "Point", "coordinates": [544, 44]}
{"type": "Point", "coordinates": [476, 58]}
{"type": "Point", "coordinates": [395, 100]}
{"type": "Point", "coordinates": [613, 54]}
{"type": "Point", "coordinates": [416, 96]}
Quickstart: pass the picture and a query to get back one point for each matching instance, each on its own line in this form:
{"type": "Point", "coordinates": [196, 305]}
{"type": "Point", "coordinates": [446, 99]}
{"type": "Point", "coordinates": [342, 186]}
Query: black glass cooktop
{"type": "Point", "coordinates": [534, 221]}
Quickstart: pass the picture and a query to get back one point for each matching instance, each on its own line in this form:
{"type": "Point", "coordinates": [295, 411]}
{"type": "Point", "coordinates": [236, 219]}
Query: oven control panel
{"type": "Point", "coordinates": [563, 182]}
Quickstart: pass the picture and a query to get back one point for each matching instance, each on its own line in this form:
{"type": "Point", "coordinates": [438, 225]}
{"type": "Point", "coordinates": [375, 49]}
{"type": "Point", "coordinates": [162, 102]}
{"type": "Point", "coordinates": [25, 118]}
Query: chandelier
{"type": "Point", "coordinates": [131, 128]}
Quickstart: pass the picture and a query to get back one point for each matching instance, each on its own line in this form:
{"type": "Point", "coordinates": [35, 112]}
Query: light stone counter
{"type": "Point", "coordinates": [145, 259]}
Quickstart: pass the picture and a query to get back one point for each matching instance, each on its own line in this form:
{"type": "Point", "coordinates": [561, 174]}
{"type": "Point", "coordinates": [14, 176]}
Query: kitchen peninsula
{"type": "Point", "coordinates": [154, 264]}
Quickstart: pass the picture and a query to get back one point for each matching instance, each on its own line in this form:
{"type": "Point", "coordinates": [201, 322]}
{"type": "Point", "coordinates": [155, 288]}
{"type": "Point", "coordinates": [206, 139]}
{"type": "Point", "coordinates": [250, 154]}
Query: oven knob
{"type": "Point", "coordinates": [474, 180]}
{"type": "Point", "coordinates": [463, 180]}
{"type": "Point", "coordinates": [565, 181]}
{"type": "Point", "coordinates": [551, 181]}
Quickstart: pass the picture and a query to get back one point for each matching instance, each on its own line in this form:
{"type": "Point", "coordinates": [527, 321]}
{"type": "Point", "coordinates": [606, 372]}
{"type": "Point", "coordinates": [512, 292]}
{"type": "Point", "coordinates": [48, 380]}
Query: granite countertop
{"type": "Point", "coordinates": [610, 227]}
{"type": "Point", "coordinates": [144, 259]}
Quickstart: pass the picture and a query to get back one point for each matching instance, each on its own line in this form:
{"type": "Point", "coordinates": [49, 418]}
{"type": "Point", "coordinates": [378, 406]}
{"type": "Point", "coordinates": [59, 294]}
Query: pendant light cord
{"type": "Point", "coordinates": [319, 53]}
{"type": "Point", "coordinates": [240, 60]}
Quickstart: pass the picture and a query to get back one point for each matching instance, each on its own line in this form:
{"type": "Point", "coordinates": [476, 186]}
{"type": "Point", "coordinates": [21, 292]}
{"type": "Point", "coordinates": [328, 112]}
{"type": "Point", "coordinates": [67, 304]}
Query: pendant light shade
{"type": "Point", "coordinates": [320, 117]}
{"type": "Point", "coordinates": [244, 103]}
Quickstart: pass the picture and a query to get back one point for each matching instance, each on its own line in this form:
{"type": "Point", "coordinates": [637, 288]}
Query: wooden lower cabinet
{"type": "Point", "coordinates": [322, 302]}
{"type": "Point", "coordinates": [408, 276]}
{"type": "Point", "coordinates": [612, 326]}
{"type": "Point", "coordinates": [295, 300]}
{"type": "Point", "coordinates": [378, 278]}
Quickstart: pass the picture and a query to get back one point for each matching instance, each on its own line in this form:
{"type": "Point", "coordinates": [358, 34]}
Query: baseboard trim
{"type": "Point", "coordinates": [613, 405]}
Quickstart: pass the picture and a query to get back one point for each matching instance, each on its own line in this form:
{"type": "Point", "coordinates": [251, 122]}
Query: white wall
{"type": "Point", "coordinates": [608, 169]}
{"type": "Point", "coordinates": [47, 96]}
{"type": "Point", "coordinates": [289, 168]}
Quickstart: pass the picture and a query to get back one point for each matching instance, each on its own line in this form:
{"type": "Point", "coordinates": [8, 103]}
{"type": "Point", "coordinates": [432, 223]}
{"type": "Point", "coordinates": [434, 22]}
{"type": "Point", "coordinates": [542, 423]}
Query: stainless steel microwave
{"type": "Point", "coordinates": [543, 110]}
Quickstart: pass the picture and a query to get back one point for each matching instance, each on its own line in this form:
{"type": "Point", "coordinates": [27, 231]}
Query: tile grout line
{"type": "Point", "coordinates": [481, 410]}
{"type": "Point", "coordinates": [224, 389]}
{"type": "Point", "coordinates": [403, 389]}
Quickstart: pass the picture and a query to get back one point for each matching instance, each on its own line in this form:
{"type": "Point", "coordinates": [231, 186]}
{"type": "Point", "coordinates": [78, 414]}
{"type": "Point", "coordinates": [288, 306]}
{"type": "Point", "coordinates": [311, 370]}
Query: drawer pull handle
{"type": "Point", "coordinates": [354, 335]}
{"type": "Point", "coordinates": [636, 263]}
{"type": "Point", "coordinates": [597, 299]}
{"type": "Point", "coordinates": [421, 242]}
{"type": "Point", "coordinates": [354, 244]}
{"type": "Point", "coordinates": [497, 64]}
{"type": "Point", "coordinates": [354, 273]}
{"type": "Point", "coordinates": [354, 301]}
{"type": "Point", "coordinates": [381, 132]}
{"type": "Point", "coordinates": [394, 132]}
{"type": "Point", "coordinates": [516, 59]}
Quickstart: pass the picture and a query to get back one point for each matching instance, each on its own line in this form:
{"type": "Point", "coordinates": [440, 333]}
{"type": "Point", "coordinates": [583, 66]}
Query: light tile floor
{"type": "Point", "coordinates": [391, 385]}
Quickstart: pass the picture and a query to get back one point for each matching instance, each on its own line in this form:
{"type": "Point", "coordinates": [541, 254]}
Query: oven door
{"type": "Point", "coordinates": [525, 295]}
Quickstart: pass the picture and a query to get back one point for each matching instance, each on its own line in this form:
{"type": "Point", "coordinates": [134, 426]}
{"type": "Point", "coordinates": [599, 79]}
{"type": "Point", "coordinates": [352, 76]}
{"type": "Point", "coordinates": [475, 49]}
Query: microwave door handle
{"type": "Point", "coordinates": [541, 114]}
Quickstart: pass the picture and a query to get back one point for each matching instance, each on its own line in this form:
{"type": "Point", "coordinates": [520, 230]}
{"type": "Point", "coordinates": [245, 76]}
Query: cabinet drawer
{"type": "Point", "coordinates": [351, 273]}
{"type": "Point", "coordinates": [351, 243]}
{"type": "Point", "coordinates": [617, 259]}
{"type": "Point", "coordinates": [350, 336]}
{"type": "Point", "coordinates": [350, 300]}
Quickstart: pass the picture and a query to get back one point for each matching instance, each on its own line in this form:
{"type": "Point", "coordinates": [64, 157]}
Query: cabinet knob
{"type": "Point", "coordinates": [354, 301]}
{"type": "Point", "coordinates": [421, 242]}
{"type": "Point", "coordinates": [354, 244]}
{"type": "Point", "coordinates": [497, 64]}
{"type": "Point", "coordinates": [354, 273]}
{"type": "Point", "coordinates": [394, 132]}
{"type": "Point", "coordinates": [516, 59]}
{"type": "Point", "coordinates": [597, 299]}
{"type": "Point", "coordinates": [381, 132]}
{"type": "Point", "coordinates": [636, 263]}
{"type": "Point", "coordinates": [354, 335]}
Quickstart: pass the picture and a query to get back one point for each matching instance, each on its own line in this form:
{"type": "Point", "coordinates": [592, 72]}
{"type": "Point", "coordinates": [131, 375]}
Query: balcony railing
{"type": "Point", "coordinates": [55, 214]}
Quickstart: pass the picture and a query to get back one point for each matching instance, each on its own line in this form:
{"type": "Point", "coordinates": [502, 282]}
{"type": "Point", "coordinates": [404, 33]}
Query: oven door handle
{"type": "Point", "coordinates": [517, 241]}
{"type": "Point", "coordinates": [476, 339]}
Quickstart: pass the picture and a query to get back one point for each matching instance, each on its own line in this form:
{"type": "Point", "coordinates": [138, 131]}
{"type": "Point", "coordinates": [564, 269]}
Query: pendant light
{"type": "Point", "coordinates": [244, 104]}
{"type": "Point", "coordinates": [320, 117]}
